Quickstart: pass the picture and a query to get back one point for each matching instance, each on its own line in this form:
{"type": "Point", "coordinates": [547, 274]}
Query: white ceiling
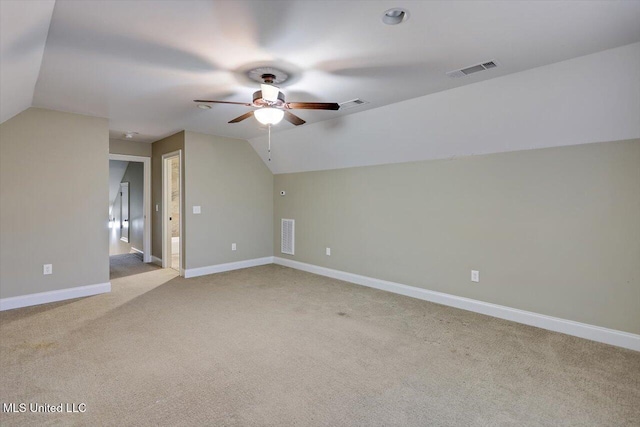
{"type": "Point", "coordinates": [23, 33]}
{"type": "Point", "coordinates": [141, 63]}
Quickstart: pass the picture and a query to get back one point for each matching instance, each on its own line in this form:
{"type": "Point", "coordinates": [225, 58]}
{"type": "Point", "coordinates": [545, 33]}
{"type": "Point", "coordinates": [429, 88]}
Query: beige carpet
{"type": "Point", "coordinates": [272, 346]}
{"type": "Point", "coordinates": [127, 265]}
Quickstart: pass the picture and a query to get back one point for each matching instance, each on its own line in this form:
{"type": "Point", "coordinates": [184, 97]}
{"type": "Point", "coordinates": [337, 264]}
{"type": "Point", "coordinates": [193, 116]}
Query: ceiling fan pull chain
{"type": "Point", "coordinates": [269, 142]}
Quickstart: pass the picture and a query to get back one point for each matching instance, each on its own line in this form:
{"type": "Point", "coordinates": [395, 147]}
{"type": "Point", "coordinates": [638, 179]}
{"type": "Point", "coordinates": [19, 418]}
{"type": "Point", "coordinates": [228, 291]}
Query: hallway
{"type": "Point", "coordinates": [126, 207]}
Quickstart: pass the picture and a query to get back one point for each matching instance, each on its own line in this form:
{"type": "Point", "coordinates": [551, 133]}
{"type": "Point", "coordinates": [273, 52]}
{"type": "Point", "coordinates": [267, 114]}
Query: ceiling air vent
{"type": "Point", "coordinates": [473, 69]}
{"type": "Point", "coordinates": [352, 104]}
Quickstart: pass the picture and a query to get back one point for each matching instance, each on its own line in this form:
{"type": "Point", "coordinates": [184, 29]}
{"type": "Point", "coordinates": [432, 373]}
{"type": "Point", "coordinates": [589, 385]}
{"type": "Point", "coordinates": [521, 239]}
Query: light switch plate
{"type": "Point", "coordinates": [233, 246]}
{"type": "Point", "coordinates": [196, 210]}
{"type": "Point", "coordinates": [328, 251]}
{"type": "Point", "coordinates": [47, 269]}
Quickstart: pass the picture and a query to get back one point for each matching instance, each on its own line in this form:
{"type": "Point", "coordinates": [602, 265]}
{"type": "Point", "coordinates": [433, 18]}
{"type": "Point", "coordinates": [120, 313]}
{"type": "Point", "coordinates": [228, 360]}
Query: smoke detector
{"type": "Point", "coordinates": [395, 16]}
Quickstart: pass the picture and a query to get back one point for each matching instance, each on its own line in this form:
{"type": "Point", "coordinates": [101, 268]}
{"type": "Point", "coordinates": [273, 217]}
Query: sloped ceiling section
{"type": "Point", "coordinates": [24, 26]}
{"type": "Point", "coordinates": [593, 98]}
{"type": "Point", "coordinates": [117, 169]}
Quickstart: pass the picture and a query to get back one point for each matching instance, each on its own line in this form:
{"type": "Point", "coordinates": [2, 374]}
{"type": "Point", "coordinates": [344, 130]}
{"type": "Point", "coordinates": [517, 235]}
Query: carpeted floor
{"type": "Point", "coordinates": [128, 265]}
{"type": "Point", "coordinates": [272, 346]}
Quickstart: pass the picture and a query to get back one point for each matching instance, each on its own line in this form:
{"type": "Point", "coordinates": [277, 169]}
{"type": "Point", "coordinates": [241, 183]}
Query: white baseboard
{"type": "Point", "coordinates": [156, 260]}
{"type": "Point", "coordinates": [137, 250]}
{"type": "Point", "coordinates": [53, 296]}
{"type": "Point", "coordinates": [569, 327]}
{"type": "Point", "coordinates": [219, 268]}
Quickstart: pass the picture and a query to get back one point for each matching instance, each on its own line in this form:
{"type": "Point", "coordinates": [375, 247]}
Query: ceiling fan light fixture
{"type": "Point", "coordinates": [395, 16]}
{"type": "Point", "coordinates": [269, 92]}
{"type": "Point", "coordinates": [268, 115]}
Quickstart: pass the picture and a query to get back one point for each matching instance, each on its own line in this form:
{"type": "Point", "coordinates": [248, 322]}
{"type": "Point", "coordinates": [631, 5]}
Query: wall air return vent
{"type": "Point", "coordinates": [287, 236]}
{"type": "Point", "coordinates": [472, 69]}
{"type": "Point", "coordinates": [352, 104]}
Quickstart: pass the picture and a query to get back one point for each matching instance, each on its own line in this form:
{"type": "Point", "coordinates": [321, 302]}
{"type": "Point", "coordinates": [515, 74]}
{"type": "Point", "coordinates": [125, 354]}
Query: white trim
{"type": "Point", "coordinates": [136, 250]}
{"type": "Point", "coordinates": [219, 268]}
{"type": "Point", "coordinates": [156, 260]}
{"type": "Point", "coordinates": [569, 327]}
{"type": "Point", "coordinates": [53, 296]}
{"type": "Point", "coordinates": [146, 199]}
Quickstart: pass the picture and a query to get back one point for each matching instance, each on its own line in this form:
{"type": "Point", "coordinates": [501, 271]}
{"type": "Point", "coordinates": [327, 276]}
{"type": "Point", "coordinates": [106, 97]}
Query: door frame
{"type": "Point", "coordinates": [146, 199]}
{"type": "Point", "coordinates": [166, 237]}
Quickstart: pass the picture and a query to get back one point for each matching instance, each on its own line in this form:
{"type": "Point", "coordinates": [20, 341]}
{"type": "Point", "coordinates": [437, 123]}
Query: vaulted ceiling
{"type": "Point", "coordinates": [23, 33]}
{"type": "Point", "coordinates": [142, 63]}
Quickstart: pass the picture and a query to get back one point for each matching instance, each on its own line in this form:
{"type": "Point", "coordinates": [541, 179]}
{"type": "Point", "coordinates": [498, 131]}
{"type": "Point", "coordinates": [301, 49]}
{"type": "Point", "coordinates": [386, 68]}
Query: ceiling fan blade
{"type": "Point", "coordinates": [313, 105]}
{"type": "Point", "coordinates": [222, 102]}
{"type": "Point", "coordinates": [242, 117]}
{"type": "Point", "coordinates": [292, 118]}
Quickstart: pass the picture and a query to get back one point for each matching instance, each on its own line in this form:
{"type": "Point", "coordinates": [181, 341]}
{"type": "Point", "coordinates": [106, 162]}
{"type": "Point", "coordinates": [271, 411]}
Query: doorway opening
{"type": "Point", "coordinates": [172, 211]}
{"type": "Point", "coordinates": [129, 206]}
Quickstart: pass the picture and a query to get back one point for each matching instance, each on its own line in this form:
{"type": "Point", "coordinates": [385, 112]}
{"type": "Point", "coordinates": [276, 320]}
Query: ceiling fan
{"type": "Point", "coordinates": [271, 106]}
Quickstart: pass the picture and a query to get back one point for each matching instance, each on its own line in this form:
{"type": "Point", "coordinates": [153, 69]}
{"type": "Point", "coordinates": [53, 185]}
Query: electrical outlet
{"type": "Point", "coordinates": [197, 210]}
{"type": "Point", "coordinates": [328, 251]}
{"type": "Point", "coordinates": [47, 269]}
{"type": "Point", "coordinates": [475, 276]}
{"type": "Point", "coordinates": [233, 246]}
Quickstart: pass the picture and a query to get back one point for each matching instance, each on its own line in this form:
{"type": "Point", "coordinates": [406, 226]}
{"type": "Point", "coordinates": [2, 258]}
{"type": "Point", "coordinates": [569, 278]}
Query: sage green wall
{"type": "Point", "coordinates": [234, 188]}
{"type": "Point", "coordinates": [54, 181]}
{"type": "Point", "coordinates": [130, 148]}
{"type": "Point", "coordinates": [554, 231]}
{"type": "Point", "coordinates": [166, 145]}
